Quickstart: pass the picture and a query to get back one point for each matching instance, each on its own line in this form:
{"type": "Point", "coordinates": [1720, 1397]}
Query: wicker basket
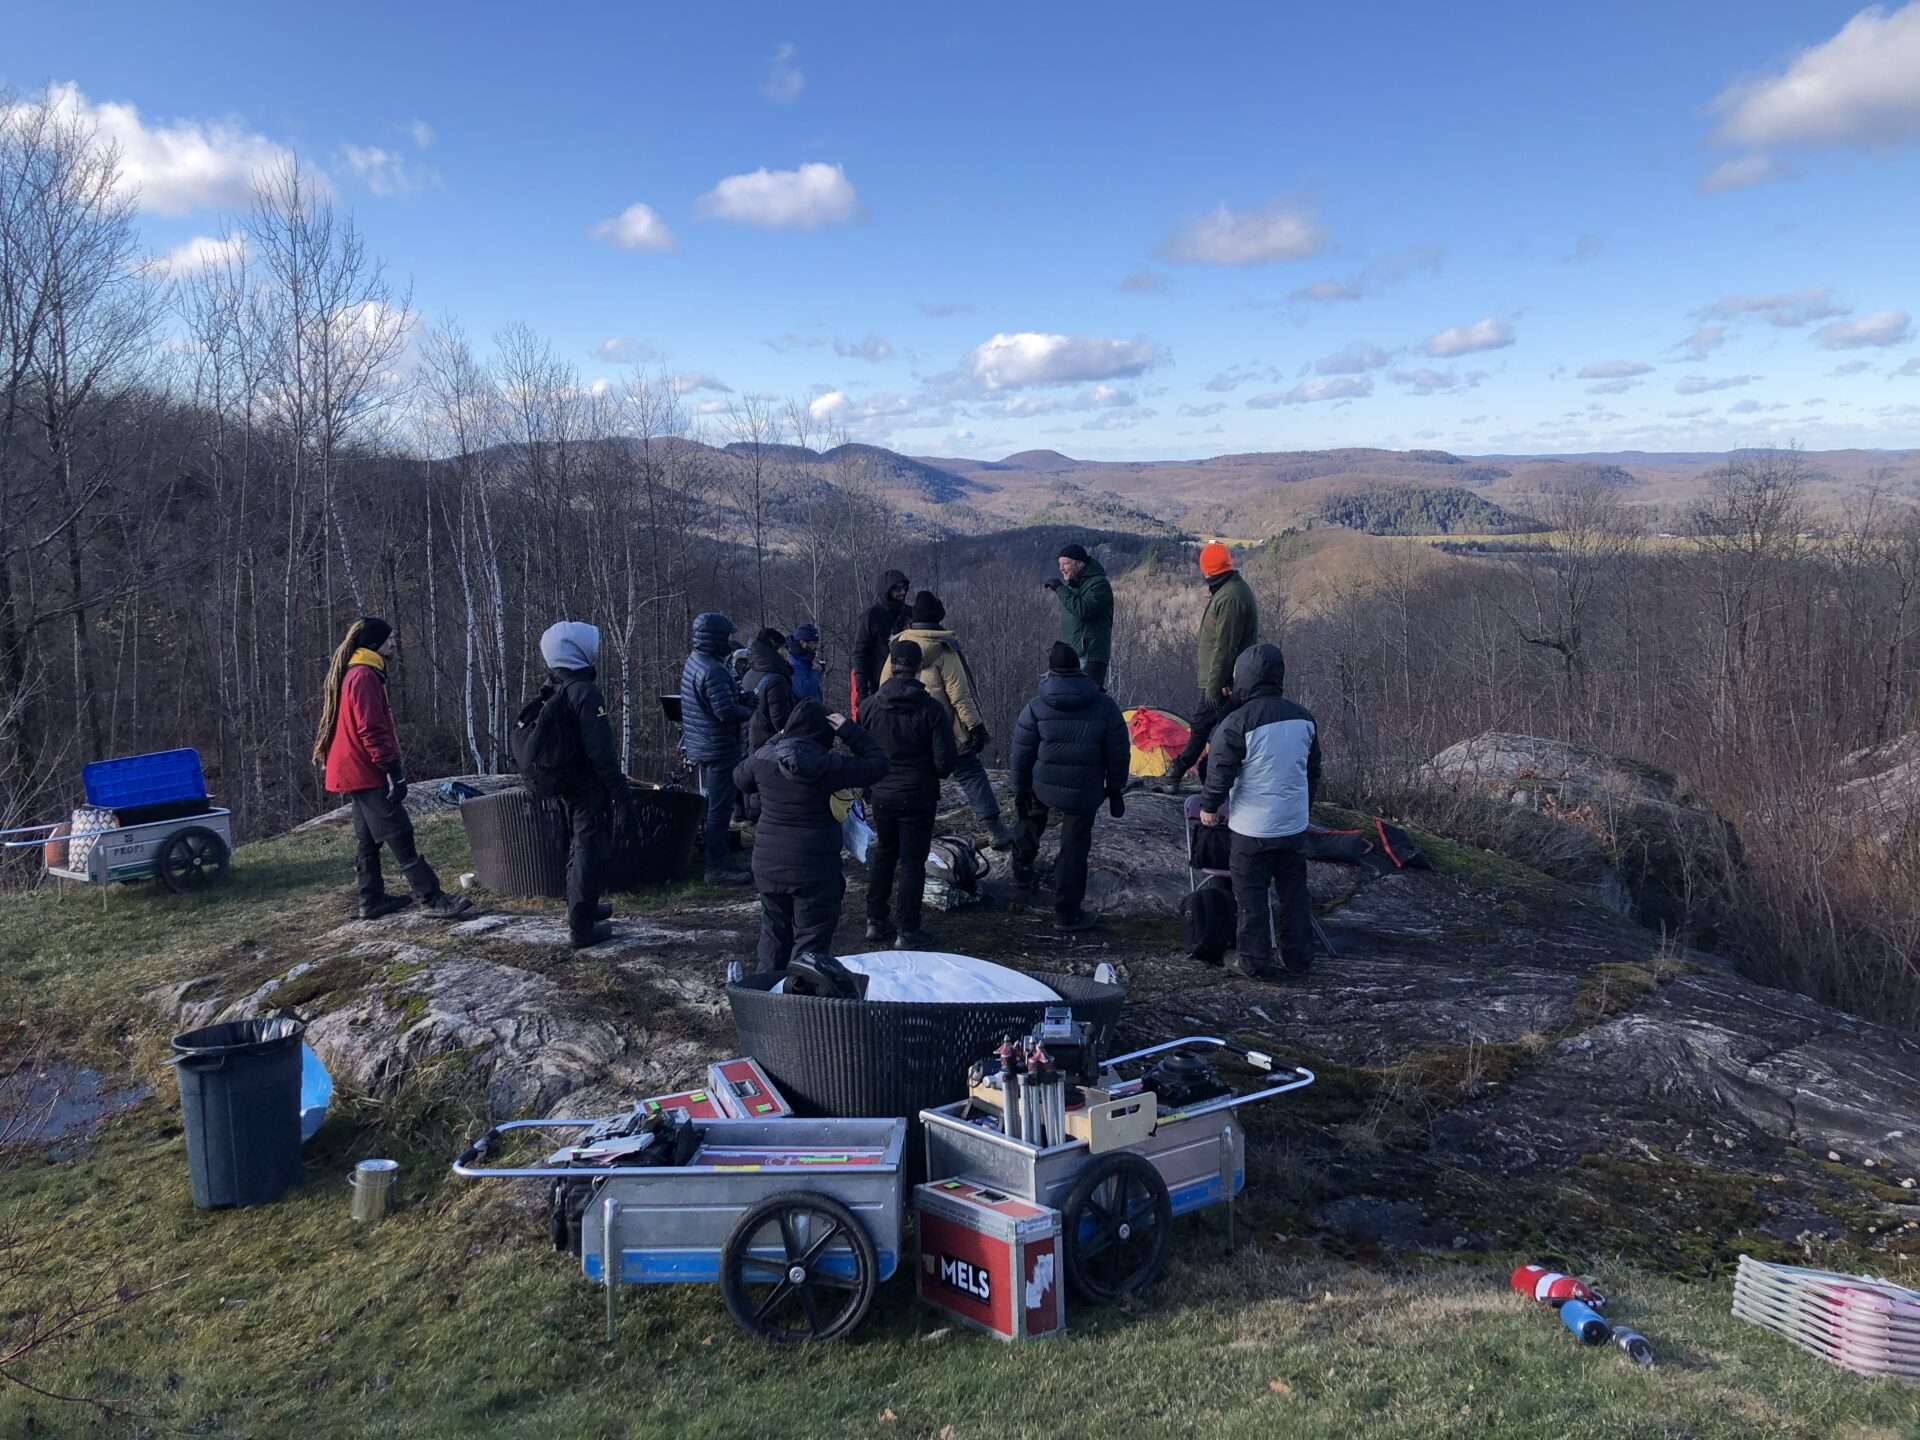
{"type": "Point", "coordinates": [885, 1058]}
{"type": "Point", "coordinates": [520, 843]}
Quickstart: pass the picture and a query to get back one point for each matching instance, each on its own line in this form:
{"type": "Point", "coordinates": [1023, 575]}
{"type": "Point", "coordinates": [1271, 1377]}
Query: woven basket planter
{"type": "Point", "coordinates": [520, 843]}
{"type": "Point", "coordinates": [889, 1058]}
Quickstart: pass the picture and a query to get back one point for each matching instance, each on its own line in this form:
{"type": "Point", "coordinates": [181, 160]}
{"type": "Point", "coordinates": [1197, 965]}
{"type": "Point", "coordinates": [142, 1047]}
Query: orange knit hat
{"type": "Point", "coordinates": [1215, 559]}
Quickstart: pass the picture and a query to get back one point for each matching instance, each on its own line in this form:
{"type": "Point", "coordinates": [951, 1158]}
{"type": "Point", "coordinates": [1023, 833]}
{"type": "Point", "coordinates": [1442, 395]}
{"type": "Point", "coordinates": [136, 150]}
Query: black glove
{"type": "Point", "coordinates": [1050, 584]}
{"type": "Point", "coordinates": [397, 787]}
{"type": "Point", "coordinates": [1116, 806]}
{"type": "Point", "coordinates": [1023, 803]}
{"type": "Point", "coordinates": [978, 739]}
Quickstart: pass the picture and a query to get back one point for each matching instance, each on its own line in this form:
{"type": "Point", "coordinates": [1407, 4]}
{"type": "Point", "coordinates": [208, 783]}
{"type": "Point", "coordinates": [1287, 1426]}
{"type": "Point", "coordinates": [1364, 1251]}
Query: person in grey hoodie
{"type": "Point", "coordinates": [712, 710]}
{"type": "Point", "coordinates": [589, 783]}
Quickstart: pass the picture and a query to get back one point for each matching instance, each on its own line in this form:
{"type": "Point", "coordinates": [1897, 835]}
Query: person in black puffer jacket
{"type": "Point", "coordinates": [796, 847]}
{"type": "Point", "coordinates": [913, 729]}
{"type": "Point", "coordinates": [769, 683]}
{"type": "Point", "coordinates": [1070, 749]}
{"type": "Point", "coordinates": [885, 619]}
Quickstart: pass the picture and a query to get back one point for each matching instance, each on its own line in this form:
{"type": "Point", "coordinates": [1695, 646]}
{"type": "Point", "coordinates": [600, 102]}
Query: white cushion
{"type": "Point", "coordinates": [928, 977]}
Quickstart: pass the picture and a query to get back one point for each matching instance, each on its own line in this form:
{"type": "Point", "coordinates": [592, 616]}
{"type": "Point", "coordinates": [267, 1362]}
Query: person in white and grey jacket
{"type": "Point", "coordinates": [1265, 772]}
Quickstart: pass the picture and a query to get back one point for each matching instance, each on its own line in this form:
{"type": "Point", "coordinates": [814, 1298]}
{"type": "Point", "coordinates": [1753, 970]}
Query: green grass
{"type": "Point", "coordinates": [456, 1318]}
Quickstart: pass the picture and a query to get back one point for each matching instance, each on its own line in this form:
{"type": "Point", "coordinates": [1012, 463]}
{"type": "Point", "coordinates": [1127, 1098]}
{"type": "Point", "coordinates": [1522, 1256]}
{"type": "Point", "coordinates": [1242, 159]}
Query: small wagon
{"type": "Point", "coordinates": [147, 817]}
{"type": "Point", "coordinates": [1145, 1158]}
{"type": "Point", "coordinates": [798, 1221]}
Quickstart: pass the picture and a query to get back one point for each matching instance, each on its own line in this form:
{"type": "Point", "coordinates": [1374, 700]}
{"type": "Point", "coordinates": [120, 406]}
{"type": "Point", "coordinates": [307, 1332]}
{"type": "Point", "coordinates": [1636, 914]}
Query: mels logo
{"type": "Point", "coordinates": [965, 1278]}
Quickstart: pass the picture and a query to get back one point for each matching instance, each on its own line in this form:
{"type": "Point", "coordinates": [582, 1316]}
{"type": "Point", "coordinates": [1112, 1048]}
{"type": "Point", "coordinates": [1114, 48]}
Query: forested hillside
{"type": "Point", "coordinates": [1423, 510]}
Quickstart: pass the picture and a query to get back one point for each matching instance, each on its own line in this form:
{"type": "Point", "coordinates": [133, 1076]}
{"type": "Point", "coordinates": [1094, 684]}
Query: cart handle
{"type": "Point", "coordinates": [466, 1166]}
{"type": "Point", "coordinates": [1259, 1059]}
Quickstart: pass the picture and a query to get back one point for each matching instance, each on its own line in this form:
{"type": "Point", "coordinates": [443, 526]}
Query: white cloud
{"type": "Point", "coordinates": [1860, 87]}
{"type": "Point", "coordinates": [816, 194]}
{"type": "Point", "coordinates": [599, 386]}
{"type": "Point", "coordinates": [785, 80]}
{"type": "Point", "coordinates": [1788, 311]}
{"type": "Point", "coordinates": [1119, 420]}
{"type": "Point", "coordinates": [1436, 382]}
{"type": "Point", "coordinates": [1743, 173]}
{"type": "Point", "coordinates": [1201, 412]}
{"type": "Point", "coordinates": [1703, 342]}
{"type": "Point", "coordinates": [617, 348]}
{"type": "Point", "coordinates": [1143, 282]}
{"type": "Point", "coordinates": [1700, 384]}
{"type": "Point", "coordinates": [422, 134]}
{"type": "Point", "coordinates": [1883, 327]}
{"type": "Point", "coordinates": [174, 169]}
{"type": "Point", "coordinates": [1355, 358]}
{"type": "Point", "coordinates": [1104, 397]}
{"type": "Point", "coordinates": [874, 349]}
{"type": "Point", "coordinates": [1912, 367]}
{"type": "Point", "coordinates": [1612, 387]}
{"type": "Point", "coordinates": [1334, 387]}
{"type": "Point", "coordinates": [385, 172]}
{"type": "Point", "coordinates": [1851, 367]}
{"type": "Point", "coordinates": [638, 227]}
{"type": "Point", "coordinates": [1247, 237]}
{"type": "Point", "coordinates": [1466, 339]}
{"type": "Point", "coordinates": [1029, 358]}
{"type": "Point", "coordinates": [830, 406]}
{"type": "Point", "coordinates": [1326, 292]}
{"type": "Point", "coordinates": [1614, 370]}
{"type": "Point", "coordinates": [202, 252]}
{"type": "Point", "coordinates": [692, 380]}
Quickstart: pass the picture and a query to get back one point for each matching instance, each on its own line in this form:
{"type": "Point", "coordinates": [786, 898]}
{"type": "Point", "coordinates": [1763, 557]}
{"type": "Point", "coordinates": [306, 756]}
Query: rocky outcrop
{"type": "Point", "coordinates": [1877, 790]}
{"type": "Point", "coordinates": [1627, 828]}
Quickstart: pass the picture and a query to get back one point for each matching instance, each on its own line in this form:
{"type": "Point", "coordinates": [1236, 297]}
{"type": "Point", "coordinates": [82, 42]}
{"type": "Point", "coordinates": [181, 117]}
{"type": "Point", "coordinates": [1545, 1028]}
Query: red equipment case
{"type": "Point", "coordinates": [989, 1259]}
{"type": "Point", "coordinates": [699, 1104]}
{"type": "Point", "coordinates": [745, 1091]}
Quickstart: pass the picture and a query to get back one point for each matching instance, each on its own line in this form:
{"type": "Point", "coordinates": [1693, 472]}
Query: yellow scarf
{"type": "Point", "coordinates": [364, 656]}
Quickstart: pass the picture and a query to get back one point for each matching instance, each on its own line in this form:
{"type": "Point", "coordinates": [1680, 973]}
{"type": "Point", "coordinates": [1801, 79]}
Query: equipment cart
{"type": "Point", "coordinates": [147, 817]}
{"type": "Point", "coordinates": [1118, 1159]}
{"type": "Point", "coordinates": [797, 1220]}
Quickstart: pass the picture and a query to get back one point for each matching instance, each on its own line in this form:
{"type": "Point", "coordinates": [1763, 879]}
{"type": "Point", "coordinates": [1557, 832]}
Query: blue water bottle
{"type": "Point", "coordinates": [1583, 1320]}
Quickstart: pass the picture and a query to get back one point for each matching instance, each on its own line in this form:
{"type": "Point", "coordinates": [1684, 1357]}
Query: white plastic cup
{"type": "Point", "coordinates": [372, 1184]}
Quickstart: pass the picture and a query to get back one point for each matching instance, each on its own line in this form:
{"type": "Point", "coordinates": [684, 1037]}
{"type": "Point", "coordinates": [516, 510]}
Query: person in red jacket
{"type": "Point", "coordinates": [358, 746]}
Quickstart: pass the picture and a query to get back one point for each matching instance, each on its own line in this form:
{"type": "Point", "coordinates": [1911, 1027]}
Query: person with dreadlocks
{"type": "Point", "coordinates": [360, 750]}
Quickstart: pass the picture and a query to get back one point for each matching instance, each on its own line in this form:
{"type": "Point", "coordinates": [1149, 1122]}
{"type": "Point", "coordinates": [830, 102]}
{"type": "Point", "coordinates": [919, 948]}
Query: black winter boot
{"type": "Point", "coordinates": [381, 906]}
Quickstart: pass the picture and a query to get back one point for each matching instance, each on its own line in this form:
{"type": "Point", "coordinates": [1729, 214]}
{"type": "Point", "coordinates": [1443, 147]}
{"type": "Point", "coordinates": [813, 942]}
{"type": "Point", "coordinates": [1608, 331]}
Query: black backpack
{"type": "Point", "coordinates": [546, 744]}
{"type": "Point", "coordinates": [1209, 920]}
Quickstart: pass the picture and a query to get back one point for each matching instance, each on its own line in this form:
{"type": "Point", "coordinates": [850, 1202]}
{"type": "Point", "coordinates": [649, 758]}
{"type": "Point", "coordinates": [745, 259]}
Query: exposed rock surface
{"type": "Point", "coordinates": [1878, 788]}
{"type": "Point", "coordinates": [1626, 826]}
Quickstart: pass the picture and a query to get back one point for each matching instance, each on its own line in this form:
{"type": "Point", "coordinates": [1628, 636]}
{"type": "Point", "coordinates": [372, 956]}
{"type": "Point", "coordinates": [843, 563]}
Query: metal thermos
{"type": "Point", "coordinates": [372, 1184]}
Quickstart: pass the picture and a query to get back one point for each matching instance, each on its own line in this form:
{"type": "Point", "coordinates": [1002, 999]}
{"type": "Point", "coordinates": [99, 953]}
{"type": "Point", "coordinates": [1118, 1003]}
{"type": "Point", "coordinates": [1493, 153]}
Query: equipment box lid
{"type": "Point", "coordinates": [745, 1091]}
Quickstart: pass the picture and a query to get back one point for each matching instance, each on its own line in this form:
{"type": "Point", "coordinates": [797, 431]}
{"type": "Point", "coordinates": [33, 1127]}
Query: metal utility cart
{"type": "Point", "coordinates": [1145, 1144]}
{"type": "Point", "coordinates": [797, 1220]}
{"type": "Point", "coordinates": [147, 818]}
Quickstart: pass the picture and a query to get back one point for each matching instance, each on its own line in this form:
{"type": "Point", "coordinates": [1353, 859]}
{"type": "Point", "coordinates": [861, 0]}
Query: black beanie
{"type": "Point", "coordinates": [927, 609]}
{"type": "Point", "coordinates": [905, 657]}
{"type": "Point", "coordinates": [374, 632]}
{"type": "Point", "coordinates": [809, 722]}
{"type": "Point", "coordinates": [1063, 659]}
{"type": "Point", "coordinates": [1075, 552]}
{"type": "Point", "coordinates": [771, 636]}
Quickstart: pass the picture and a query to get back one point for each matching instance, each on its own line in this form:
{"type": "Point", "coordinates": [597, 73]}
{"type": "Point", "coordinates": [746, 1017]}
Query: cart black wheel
{"type": "Point", "coordinates": [798, 1267]}
{"type": "Point", "coordinates": [191, 860]}
{"type": "Point", "coordinates": [1117, 1225]}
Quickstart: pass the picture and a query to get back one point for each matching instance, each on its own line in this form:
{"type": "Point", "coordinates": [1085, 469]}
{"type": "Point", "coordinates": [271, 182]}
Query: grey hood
{"type": "Point", "coordinates": [571, 645]}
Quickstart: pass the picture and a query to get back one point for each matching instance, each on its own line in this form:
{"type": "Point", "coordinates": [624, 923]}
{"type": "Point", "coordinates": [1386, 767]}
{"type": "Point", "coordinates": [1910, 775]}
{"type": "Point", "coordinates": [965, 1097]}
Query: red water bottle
{"type": "Point", "coordinates": [1551, 1287]}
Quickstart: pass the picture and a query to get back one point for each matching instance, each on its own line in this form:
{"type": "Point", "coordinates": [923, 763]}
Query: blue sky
{"type": "Point", "coordinates": [1122, 230]}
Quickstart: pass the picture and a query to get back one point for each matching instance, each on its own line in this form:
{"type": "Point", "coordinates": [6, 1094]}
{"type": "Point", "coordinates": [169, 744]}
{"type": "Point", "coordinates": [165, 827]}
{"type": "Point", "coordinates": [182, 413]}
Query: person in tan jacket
{"type": "Point", "coordinates": [943, 670]}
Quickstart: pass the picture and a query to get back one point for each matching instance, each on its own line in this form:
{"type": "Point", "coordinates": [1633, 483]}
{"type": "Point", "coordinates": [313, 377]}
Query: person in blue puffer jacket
{"type": "Point", "coordinates": [712, 710]}
{"type": "Point", "coordinates": [803, 657]}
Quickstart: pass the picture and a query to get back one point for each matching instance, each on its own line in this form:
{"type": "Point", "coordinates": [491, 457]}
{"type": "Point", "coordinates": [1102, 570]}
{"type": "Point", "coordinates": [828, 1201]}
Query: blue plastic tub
{"type": "Point", "coordinates": [155, 779]}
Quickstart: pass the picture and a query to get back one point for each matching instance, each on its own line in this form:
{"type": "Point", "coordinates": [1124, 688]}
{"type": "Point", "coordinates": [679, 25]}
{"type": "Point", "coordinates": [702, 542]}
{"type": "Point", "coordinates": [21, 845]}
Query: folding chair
{"type": "Point", "coordinates": [1197, 873]}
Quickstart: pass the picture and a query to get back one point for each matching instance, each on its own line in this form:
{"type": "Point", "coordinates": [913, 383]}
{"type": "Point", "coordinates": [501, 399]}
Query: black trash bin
{"type": "Point", "coordinates": [240, 1099]}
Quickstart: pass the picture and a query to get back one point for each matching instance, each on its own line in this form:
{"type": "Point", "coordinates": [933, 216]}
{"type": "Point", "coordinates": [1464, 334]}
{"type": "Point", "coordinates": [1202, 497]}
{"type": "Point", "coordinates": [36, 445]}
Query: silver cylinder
{"type": "Point", "coordinates": [1016, 1105]}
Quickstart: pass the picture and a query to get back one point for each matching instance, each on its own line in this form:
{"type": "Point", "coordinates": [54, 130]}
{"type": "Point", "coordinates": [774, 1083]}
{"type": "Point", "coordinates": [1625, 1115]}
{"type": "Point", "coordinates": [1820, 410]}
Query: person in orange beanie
{"type": "Point", "coordinates": [1229, 625]}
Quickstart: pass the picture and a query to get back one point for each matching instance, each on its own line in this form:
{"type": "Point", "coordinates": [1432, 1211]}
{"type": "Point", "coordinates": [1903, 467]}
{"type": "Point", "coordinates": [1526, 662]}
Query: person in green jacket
{"type": "Point", "coordinates": [1086, 610]}
{"type": "Point", "coordinates": [1229, 625]}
